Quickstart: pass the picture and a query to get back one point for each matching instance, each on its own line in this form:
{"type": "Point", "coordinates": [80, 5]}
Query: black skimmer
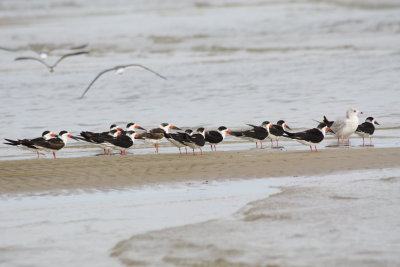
{"type": "Point", "coordinates": [55, 144]}
{"type": "Point", "coordinates": [155, 136]}
{"type": "Point", "coordinates": [345, 127]}
{"type": "Point", "coordinates": [51, 67]}
{"type": "Point", "coordinates": [367, 129]}
{"type": "Point", "coordinates": [133, 127]}
{"type": "Point", "coordinates": [215, 137]}
{"type": "Point", "coordinates": [277, 130]}
{"type": "Point", "coordinates": [178, 139]}
{"type": "Point", "coordinates": [257, 134]}
{"type": "Point", "coordinates": [310, 137]}
{"type": "Point", "coordinates": [196, 140]}
{"type": "Point", "coordinates": [32, 144]}
{"type": "Point", "coordinates": [98, 138]}
{"type": "Point", "coordinates": [120, 70]}
{"type": "Point", "coordinates": [122, 141]}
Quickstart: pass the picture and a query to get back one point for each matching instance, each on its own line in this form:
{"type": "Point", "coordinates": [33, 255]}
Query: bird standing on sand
{"type": "Point", "coordinates": [51, 67]}
{"type": "Point", "coordinates": [32, 144]}
{"type": "Point", "coordinates": [367, 129]}
{"type": "Point", "coordinates": [98, 138]}
{"type": "Point", "coordinates": [155, 136]}
{"type": "Point", "coordinates": [345, 127]}
{"type": "Point", "coordinates": [215, 137]}
{"type": "Point", "coordinates": [277, 130]}
{"type": "Point", "coordinates": [177, 139]}
{"type": "Point", "coordinates": [122, 141]}
{"type": "Point", "coordinates": [55, 144]}
{"type": "Point", "coordinates": [120, 70]}
{"type": "Point", "coordinates": [196, 140]}
{"type": "Point", "coordinates": [257, 134]}
{"type": "Point", "coordinates": [310, 137]}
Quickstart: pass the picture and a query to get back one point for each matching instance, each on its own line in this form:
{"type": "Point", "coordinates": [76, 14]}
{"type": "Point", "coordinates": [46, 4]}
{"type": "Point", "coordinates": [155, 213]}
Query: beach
{"type": "Point", "coordinates": [132, 170]}
{"type": "Point", "coordinates": [234, 208]}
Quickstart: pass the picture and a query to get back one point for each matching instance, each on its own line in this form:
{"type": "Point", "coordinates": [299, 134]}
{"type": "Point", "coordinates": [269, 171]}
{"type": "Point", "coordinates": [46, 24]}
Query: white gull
{"type": "Point", "coordinates": [345, 127]}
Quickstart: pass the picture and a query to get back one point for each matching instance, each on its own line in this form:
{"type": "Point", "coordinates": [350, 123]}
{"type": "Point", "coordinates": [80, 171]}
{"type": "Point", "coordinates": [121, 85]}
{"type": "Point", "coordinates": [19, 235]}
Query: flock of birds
{"type": "Point", "coordinates": [43, 55]}
{"type": "Point", "coordinates": [118, 139]}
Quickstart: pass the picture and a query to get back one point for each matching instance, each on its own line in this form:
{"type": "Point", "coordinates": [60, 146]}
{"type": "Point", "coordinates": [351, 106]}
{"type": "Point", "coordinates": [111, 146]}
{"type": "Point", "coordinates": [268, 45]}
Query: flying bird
{"type": "Point", "coordinates": [51, 67]}
{"type": "Point", "coordinates": [119, 70]}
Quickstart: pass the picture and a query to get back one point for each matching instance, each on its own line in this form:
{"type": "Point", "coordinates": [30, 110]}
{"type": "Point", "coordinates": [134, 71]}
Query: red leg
{"type": "Point", "coordinates": [315, 148]}
{"type": "Point", "coordinates": [201, 151]}
{"type": "Point", "coordinates": [256, 145]}
{"type": "Point", "coordinates": [54, 155]}
{"type": "Point", "coordinates": [311, 148]}
{"type": "Point", "coordinates": [370, 140]}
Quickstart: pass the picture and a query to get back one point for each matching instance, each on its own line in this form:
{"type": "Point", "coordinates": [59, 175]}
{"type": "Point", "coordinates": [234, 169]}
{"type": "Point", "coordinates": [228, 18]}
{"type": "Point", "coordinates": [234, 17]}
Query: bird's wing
{"type": "Point", "coordinates": [143, 67]}
{"type": "Point", "coordinates": [338, 125]}
{"type": "Point", "coordinates": [69, 55]}
{"type": "Point", "coordinates": [8, 49]}
{"type": "Point", "coordinates": [33, 58]}
{"type": "Point", "coordinates": [79, 46]}
{"type": "Point", "coordinates": [98, 76]}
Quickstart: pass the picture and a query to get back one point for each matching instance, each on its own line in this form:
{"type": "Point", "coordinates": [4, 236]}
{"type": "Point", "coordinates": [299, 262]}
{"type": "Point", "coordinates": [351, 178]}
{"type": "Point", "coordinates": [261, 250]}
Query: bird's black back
{"type": "Point", "coordinates": [213, 137]}
{"type": "Point", "coordinates": [366, 127]}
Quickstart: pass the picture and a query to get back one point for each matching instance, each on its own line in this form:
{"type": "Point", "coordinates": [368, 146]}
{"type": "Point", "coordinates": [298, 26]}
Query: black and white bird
{"type": "Point", "coordinates": [196, 140]}
{"type": "Point", "coordinates": [257, 134]}
{"type": "Point", "coordinates": [120, 70]}
{"type": "Point", "coordinates": [55, 144]}
{"type": "Point", "coordinates": [156, 135]}
{"type": "Point", "coordinates": [32, 144]}
{"type": "Point", "coordinates": [177, 139]}
{"type": "Point", "coordinates": [133, 127]}
{"type": "Point", "coordinates": [52, 67]}
{"type": "Point", "coordinates": [215, 137]}
{"type": "Point", "coordinates": [277, 130]}
{"type": "Point", "coordinates": [367, 129]}
{"type": "Point", "coordinates": [310, 137]}
{"type": "Point", "coordinates": [122, 141]}
{"type": "Point", "coordinates": [98, 138]}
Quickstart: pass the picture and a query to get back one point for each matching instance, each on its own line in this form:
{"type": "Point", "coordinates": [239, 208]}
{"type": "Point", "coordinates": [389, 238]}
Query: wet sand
{"type": "Point", "coordinates": [118, 171]}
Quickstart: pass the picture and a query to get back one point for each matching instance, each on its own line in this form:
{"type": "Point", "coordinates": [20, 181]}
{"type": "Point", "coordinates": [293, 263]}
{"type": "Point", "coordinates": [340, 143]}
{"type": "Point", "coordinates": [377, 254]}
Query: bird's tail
{"type": "Point", "coordinates": [289, 135]}
{"type": "Point", "coordinates": [12, 142]}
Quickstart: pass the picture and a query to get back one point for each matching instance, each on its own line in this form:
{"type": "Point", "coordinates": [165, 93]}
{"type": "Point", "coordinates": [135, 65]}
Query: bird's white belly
{"type": "Point", "coordinates": [345, 128]}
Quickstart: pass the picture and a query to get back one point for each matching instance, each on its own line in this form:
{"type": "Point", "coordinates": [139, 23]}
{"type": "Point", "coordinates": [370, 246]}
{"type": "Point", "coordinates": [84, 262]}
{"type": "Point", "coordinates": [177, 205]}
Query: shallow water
{"type": "Point", "coordinates": [227, 62]}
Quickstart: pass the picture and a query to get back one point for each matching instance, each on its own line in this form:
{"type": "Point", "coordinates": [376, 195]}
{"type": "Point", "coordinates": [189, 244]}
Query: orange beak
{"type": "Point", "coordinates": [270, 126]}
{"type": "Point", "coordinates": [136, 135]}
{"type": "Point", "coordinates": [70, 135]}
{"type": "Point", "coordinates": [327, 129]}
{"type": "Point", "coordinates": [119, 128]}
{"type": "Point", "coordinates": [228, 131]}
{"type": "Point", "coordinates": [53, 134]}
{"type": "Point", "coordinates": [119, 133]}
